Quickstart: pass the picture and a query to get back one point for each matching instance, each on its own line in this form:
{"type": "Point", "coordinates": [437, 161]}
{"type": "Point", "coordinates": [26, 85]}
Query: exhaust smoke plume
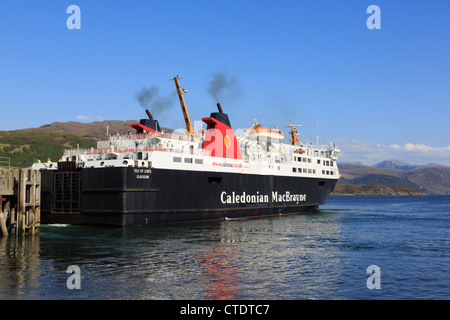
{"type": "Point", "coordinates": [149, 98]}
{"type": "Point", "coordinates": [224, 88]}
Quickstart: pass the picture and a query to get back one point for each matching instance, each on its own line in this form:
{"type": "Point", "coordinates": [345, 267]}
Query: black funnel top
{"type": "Point", "coordinates": [152, 124]}
{"type": "Point", "coordinates": [222, 117]}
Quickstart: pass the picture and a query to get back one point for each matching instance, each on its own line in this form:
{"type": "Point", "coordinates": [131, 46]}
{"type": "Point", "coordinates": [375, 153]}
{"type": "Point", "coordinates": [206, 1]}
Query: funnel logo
{"type": "Point", "coordinates": [227, 141]}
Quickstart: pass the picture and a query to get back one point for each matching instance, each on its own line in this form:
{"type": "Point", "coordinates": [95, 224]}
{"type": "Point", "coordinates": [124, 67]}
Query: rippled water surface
{"type": "Point", "coordinates": [321, 255]}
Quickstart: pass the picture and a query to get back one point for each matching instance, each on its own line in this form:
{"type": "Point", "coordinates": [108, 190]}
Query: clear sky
{"type": "Point", "coordinates": [378, 93]}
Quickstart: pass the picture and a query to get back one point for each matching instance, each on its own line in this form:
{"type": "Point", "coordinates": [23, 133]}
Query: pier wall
{"type": "Point", "coordinates": [20, 196]}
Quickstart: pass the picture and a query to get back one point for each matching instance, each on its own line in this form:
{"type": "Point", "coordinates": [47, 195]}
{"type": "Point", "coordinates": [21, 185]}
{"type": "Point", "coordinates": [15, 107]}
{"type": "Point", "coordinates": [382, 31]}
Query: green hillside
{"type": "Point", "coordinates": [26, 147]}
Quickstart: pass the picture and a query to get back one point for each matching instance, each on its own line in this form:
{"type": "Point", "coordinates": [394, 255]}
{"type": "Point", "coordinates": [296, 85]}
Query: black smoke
{"type": "Point", "coordinates": [224, 88]}
{"type": "Point", "coordinates": [151, 99]}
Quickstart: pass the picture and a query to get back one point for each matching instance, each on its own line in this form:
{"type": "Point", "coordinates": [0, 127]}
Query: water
{"type": "Point", "coordinates": [322, 255]}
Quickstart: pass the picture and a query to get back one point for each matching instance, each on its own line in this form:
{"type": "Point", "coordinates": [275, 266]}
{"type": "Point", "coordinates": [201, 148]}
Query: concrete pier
{"type": "Point", "coordinates": [20, 194]}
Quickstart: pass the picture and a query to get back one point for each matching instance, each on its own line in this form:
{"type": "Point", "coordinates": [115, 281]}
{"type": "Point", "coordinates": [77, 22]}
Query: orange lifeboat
{"type": "Point", "coordinates": [266, 134]}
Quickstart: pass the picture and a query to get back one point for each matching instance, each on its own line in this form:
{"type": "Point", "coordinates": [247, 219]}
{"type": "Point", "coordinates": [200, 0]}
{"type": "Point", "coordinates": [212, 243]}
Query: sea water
{"type": "Point", "coordinates": [354, 247]}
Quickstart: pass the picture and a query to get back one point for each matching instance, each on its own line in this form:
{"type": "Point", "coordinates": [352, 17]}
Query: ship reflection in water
{"type": "Point", "coordinates": [286, 257]}
{"type": "Point", "coordinates": [220, 275]}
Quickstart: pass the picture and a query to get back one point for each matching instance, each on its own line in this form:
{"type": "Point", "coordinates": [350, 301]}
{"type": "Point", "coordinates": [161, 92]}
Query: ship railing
{"type": "Point", "coordinates": [323, 151]}
{"type": "Point", "coordinates": [128, 149]}
{"type": "Point", "coordinates": [175, 135]}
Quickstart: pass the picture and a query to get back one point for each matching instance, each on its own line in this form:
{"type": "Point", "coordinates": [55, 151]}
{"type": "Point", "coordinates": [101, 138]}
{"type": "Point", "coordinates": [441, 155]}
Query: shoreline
{"type": "Point", "coordinates": [374, 190]}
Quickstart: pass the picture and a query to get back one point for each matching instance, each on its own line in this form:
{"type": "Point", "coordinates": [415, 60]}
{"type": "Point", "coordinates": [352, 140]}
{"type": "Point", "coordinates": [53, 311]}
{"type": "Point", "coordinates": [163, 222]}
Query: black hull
{"type": "Point", "coordinates": [138, 196]}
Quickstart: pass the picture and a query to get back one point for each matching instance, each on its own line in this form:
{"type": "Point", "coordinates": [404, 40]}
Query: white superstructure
{"type": "Point", "coordinates": [176, 151]}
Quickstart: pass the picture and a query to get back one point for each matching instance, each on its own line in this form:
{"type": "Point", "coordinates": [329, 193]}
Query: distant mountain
{"type": "Point", "coordinates": [430, 179]}
{"type": "Point", "coordinates": [386, 180]}
{"type": "Point", "coordinates": [397, 164]}
{"type": "Point", "coordinates": [435, 179]}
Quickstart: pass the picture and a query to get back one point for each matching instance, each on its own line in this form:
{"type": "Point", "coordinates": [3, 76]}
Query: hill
{"type": "Point", "coordinates": [97, 130]}
{"type": "Point", "coordinates": [396, 164]}
{"type": "Point", "coordinates": [27, 147]}
{"type": "Point", "coordinates": [374, 189]}
{"type": "Point", "coordinates": [386, 180]}
{"type": "Point", "coordinates": [431, 179]}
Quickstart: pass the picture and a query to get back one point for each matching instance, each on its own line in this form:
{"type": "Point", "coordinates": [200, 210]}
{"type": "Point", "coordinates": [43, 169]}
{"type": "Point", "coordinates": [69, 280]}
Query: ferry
{"type": "Point", "coordinates": [152, 176]}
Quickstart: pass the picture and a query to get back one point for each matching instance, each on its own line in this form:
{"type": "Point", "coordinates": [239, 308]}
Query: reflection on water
{"type": "Point", "coordinates": [19, 266]}
{"type": "Point", "coordinates": [321, 255]}
{"type": "Point", "coordinates": [220, 275]}
{"type": "Point", "coordinates": [286, 257]}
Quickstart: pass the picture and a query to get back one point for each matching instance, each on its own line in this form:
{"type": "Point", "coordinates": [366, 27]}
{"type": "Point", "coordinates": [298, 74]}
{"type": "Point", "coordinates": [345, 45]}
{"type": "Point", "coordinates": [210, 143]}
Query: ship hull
{"type": "Point", "coordinates": [130, 196]}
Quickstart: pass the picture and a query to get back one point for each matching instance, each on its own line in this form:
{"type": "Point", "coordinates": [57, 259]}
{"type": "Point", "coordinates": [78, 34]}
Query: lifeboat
{"type": "Point", "coordinates": [265, 134]}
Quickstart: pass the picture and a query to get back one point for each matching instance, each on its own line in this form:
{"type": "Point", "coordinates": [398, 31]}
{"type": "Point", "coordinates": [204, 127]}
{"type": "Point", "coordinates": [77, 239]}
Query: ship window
{"type": "Point", "coordinates": [294, 169]}
{"type": "Point", "coordinates": [331, 163]}
{"type": "Point", "coordinates": [323, 171]}
{"type": "Point", "coordinates": [314, 170]}
{"type": "Point", "coordinates": [214, 179]}
{"type": "Point", "coordinates": [176, 159]}
{"type": "Point", "coordinates": [187, 160]}
{"type": "Point", "coordinates": [309, 160]}
{"type": "Point", "coordinates": [198, 161]}
{"type": "Point", "coordinates": [318, 161]}
{"type": "Point", "coordinates": [305, 170]}
{"type": "Point", "coordinates": [309, 171]}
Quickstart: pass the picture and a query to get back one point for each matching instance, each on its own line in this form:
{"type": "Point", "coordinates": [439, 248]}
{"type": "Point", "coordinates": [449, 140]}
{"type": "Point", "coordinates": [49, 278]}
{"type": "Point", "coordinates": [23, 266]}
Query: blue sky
{"type": "Point", "coordinates": [379, 94]}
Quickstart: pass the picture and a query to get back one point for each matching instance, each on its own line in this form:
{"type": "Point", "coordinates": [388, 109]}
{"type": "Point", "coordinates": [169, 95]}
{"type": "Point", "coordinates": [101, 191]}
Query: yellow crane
{"type": "Point", "coordinates": [187, 119]}
{"type": "Point", "coordinates": [293, 133]}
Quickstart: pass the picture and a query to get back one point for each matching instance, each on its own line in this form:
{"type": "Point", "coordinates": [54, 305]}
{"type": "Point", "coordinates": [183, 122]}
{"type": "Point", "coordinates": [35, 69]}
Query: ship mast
{"type": "Point", "coordinates": [189, 129]}
{"type": "Point", "coordinates": [293, 133]}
